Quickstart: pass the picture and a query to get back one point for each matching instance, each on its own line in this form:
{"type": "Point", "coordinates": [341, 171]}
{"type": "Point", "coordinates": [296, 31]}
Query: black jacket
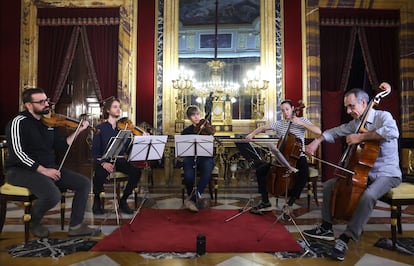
{"type": "Point", "coordinates": [31, 143]}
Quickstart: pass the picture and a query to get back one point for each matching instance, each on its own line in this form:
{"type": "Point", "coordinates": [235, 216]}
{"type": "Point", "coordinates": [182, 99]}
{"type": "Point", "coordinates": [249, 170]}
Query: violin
{"type": "Point", "coordinates": [58, 120]}
{"type": "Point", "coordinates": [204, 128]}
{"type": "Point", "coordinates": [126, 124]}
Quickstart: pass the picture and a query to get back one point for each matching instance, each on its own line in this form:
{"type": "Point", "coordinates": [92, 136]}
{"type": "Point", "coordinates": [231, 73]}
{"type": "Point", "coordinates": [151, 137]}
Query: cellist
{"type": "Point", "coordinates": [297, 126]}
{"type": "Point", "coordinates": [384, 175]}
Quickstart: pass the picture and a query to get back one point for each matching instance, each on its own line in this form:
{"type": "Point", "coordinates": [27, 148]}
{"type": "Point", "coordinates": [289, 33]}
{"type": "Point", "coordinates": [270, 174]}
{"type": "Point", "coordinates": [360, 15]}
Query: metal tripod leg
{"type": "Point", "coordinates": [247, 207]}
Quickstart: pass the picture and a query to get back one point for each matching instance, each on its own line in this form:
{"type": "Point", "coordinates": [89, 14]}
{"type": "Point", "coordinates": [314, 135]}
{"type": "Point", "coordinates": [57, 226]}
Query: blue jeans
{"type": "Point", "coordinates": [48, 192]}
{"type": "Point", "coordinates": [205, 166]}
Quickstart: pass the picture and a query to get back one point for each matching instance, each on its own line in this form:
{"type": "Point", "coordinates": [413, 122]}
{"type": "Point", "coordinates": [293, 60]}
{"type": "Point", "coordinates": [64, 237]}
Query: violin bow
{"type": "Point", "coordinates": [70, 145]}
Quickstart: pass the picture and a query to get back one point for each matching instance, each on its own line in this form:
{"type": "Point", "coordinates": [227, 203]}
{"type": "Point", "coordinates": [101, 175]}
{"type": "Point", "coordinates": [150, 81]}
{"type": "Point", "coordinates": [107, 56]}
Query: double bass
{"type": "Point", "coordinates": [359, 159]}
{"type": "Point", "coordinates": [290, 147]}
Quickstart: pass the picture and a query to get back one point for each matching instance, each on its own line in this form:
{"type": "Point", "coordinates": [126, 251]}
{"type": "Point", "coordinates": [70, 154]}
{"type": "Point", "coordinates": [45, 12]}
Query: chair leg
{"type": "Point", "coordinates": [394, 218]}
{"type": "Point", "coordinates": [62, 210]}
{"type": "Point", "coordinates": [309, 192]}
{"type": "Point", "coordinates": [26, 218]}
{"type": "Point", "coordinates": [210, 189]}
{"type": "Point", "coordinates": [315, 190]}
{"type": "Point", "coordinates": [102, 197]}
{"type": "Point", "coordinates": [3, 209]}
{"type": "Point", "coordinates": [215, 189]}
{"type": "Point", "coordinates": [399, 227]}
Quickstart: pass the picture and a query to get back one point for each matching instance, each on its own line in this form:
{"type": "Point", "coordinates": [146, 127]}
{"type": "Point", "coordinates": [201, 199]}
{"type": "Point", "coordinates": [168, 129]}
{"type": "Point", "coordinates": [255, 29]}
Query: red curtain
{"type": "Point", "coordinates": [382, 44]}
{"type": "Point", "coordinates": [336, 55]}
{"type": "Point", "coordinates": [53, 47]}
{"type": "Point", "coordinates": [103, 43]}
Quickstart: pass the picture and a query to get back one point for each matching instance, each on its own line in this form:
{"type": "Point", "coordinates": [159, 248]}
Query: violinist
{"type": "Point", "coordinates": [106, 131]}
{"type": "Point", "coordinates": [32, 164]}
{"type": "Point", "coordinates": [205, 165]}
{"type": "Point", "coordinates": [384, 175]}
{"type": "Point", "coordinates": [297, 126]}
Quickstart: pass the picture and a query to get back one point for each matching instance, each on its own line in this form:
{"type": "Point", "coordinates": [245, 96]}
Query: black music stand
{"type": "Point", "coordinates": [121, 142]}
{"type": "Point", "coordinates": [286, 209]}
{"type": "Point", "coordinates": [194, 146]}
{"type": "Point", "coordinates": [253, 157]}
{"type": "Point", "coordinates": [146, 148]}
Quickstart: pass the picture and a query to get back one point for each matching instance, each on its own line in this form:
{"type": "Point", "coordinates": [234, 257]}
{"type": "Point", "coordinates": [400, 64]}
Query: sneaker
{"type": "Point", "coordinates": [320, 233]}
{"type": "Point", "coordinates": [189, 204]}
{"type": "Point", "coordinates": [339, 250]}
{"type": "Point", "coordinates": [83, 230]}
{"type": "Point", "coordinates": [39, 231]}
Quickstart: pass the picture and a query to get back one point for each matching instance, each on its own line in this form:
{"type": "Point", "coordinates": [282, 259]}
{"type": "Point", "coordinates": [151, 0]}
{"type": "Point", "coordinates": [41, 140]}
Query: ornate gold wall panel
{"type": "Point", "coordinates": [126, 84]}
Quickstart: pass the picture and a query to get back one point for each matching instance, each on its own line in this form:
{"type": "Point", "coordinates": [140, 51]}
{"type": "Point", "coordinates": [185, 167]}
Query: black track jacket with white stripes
{"type": "Point", "coordinates": [31, 143]}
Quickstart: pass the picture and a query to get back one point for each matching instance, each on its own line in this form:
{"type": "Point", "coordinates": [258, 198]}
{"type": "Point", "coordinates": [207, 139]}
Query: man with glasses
{"type": "Point", "coordinates": [384, 175]}
{"type": "Point", "coordinates": [32, 164]}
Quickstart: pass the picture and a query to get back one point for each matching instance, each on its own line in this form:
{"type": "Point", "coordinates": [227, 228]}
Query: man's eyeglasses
{"type": "Point", "coordinates": [42, 102]}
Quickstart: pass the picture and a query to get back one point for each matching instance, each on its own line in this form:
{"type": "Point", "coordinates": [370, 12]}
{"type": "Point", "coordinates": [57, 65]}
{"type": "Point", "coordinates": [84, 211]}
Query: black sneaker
{"type": "Point", "coordinates": [320, 233]}
{"type": "Point", "coordinates": [339, 250]}
{"type": "Point", "coordinates": [261, 207]}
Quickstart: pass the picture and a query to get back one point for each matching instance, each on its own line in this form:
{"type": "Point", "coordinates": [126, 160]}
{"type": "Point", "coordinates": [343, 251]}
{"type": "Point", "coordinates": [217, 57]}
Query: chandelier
{"type": "Point", "coordinates": [254, 83]}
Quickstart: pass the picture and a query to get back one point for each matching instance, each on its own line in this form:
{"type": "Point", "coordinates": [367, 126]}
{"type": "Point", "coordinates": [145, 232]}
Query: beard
{"type": "Point", "coordinates": [43, 111]}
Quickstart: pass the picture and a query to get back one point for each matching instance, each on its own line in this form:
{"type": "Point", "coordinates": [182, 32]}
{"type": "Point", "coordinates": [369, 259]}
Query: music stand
{"type": "Point", "coordinates": [286, 209]}
{"type": "Point", "coordinates": [194, 146]}
{"type": "Point", "coordinates": [115, 146]}
{"type": "Point", "coordinates": [253, 157]}
{"type": "Point", "coordinates": [146, 148]}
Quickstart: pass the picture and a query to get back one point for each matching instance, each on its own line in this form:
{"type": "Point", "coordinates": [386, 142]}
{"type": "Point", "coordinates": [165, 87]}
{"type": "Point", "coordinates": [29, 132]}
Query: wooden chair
{"type": "Point", "coordinates": [15, 193]}
{"type": "Point", "coordinates": [212, 185]}
{"type": "Point", "coordinates": [400, 195]}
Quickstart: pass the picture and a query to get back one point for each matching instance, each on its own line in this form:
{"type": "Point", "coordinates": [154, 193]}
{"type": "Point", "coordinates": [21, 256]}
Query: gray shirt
{"type": "Point", "coordinates": [382, 122]}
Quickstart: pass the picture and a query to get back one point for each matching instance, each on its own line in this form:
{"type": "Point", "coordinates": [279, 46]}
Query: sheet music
{"type": "Point", "coordinates": [146, 148]}
{"type": "Point", "coordinates": [117, 143]}
{"type": "Point", "coordinates": [194, 145]}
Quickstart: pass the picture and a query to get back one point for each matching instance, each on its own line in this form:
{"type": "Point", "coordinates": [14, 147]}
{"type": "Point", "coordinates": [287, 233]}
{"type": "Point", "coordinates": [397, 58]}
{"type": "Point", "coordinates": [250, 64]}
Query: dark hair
{"type": "Point", "coordinates": [27, 94]}
{"type": "Point", "coordinates": [359, 94]}
{"type": "Point", "coordinates": [107, 105]}
{"type": "Point", "coordinates": [288, 102]}
{"type": "Point", "coordinates": [191, 110]}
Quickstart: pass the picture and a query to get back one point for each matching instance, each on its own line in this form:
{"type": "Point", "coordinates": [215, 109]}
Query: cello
{"type": "Point", "coordinates": [359, 158]}
{"type": "Point", "coordinates": [290, 147]}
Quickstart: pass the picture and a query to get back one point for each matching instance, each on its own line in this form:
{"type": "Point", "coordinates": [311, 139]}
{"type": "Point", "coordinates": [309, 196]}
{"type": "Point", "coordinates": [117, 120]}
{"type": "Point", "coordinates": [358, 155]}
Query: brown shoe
{"type": "Point", "coordinates": [189, 204]}
{"type": "Point", "coordinates": [83, 230]}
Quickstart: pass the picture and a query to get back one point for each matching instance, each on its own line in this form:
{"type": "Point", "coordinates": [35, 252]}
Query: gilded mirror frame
{"type": "Point", "coordinates": [166, 109]}
{"type": "Point", "coordinates": [127, 44]}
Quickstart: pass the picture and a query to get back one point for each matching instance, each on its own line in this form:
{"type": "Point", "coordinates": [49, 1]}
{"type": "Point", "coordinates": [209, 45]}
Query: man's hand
{"type": "Point", "coordinates": [108, 167]}
{"type": "Point", "coordinates": [354, 139]}
{"type": "Point", "coordinates": [249, 137]}
{"type": "Point", "coordinates": [311, 148]}
{"type": "Point", "coordinates": [53, 173]}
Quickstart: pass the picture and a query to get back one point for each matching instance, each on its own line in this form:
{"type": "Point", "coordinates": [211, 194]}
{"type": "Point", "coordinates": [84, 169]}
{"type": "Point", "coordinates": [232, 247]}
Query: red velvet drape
{"type": "Point", "coordinates": [53, 47]}
{"type": "Point", "coordinates": [335, 47]}
{"type": "Point", "coordinates": [383, 45]}
{"type": "Point", "coordinates": [103, 42]}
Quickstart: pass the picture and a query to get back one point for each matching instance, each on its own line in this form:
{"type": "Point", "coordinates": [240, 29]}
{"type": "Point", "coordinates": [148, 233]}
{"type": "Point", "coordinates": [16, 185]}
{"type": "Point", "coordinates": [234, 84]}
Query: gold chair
{"type": "Point", "coordinates": [212, 185]}
{"type": "Point", "coordinates": [403, 194]}
{"type": "Point", "coordinates": [21, 194]}
{"type": "Point", "coordinates": [314, 174]}
{"type": "Point", "coordinates": [117, 179]}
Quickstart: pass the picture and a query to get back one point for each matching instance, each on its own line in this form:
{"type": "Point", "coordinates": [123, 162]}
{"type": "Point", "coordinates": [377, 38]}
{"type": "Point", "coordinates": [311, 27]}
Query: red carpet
{"type": "Point", "coordinates": [176, 231]}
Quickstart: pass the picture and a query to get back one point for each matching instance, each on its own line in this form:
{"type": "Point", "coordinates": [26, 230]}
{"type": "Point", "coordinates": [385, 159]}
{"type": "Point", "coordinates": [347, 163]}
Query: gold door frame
{"type": "Point", "coordinates": [127, 44]}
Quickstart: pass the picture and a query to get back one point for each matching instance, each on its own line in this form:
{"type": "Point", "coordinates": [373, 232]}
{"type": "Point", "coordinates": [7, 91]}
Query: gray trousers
{"type": "Point", "coordinates": [375, 190]}
{"type": "Point", "coordinates": [48, 192]}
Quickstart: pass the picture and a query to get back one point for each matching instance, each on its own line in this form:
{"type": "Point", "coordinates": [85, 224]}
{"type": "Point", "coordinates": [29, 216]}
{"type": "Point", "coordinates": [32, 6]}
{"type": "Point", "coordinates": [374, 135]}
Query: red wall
{"type": "Point", "coordinates": [9, 60]}
{"type": "Point", "coordinates": [145, 62]}
{"type": "Point", "coordinates": [292, 50]}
